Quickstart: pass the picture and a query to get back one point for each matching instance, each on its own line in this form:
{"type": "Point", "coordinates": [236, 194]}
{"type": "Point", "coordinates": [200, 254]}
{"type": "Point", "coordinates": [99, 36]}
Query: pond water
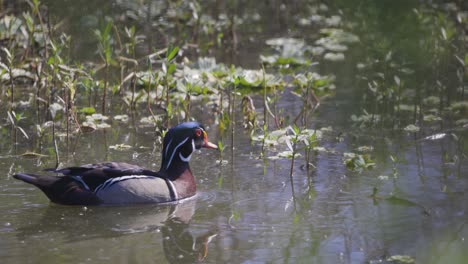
{"type": "Point", "coordinates": [250, 210]}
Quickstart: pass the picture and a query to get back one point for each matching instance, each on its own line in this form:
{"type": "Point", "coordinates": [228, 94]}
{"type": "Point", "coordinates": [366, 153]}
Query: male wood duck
{"type": "Point", "coordinates": [123, 183]}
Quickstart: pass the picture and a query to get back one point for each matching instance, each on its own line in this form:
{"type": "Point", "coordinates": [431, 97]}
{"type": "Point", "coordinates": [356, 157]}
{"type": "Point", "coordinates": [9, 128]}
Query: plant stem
{"type": "Point", "coordinates": [104, 95]}
{"type": "Point", "coordinates": [265, 116]}
{"type": "Point", "coordinates": [292, 162]}
{"type": "Point", "coordinates": [55, 145]}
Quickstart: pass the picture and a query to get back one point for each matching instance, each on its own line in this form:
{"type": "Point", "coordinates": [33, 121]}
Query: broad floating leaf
{"type": "Point", "coordinates": [412, 128]}
{"type": "Point", "coordinates": [121, 118]}
{"type": "Point", "coordinates": [401, 259]}
{"type": "Point", "coordinates": [334, 56]}
{"type": "Point", "coordinates": [120, 147]}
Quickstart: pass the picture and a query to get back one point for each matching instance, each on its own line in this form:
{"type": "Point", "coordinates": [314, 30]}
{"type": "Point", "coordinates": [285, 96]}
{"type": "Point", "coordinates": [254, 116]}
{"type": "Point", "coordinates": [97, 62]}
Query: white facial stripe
{"type": "Point", "coordinates": [174, 151]}
{"type": "Point", "coordinates": [167, 147]}
{"type": "Point", "coordinates": [187, 159]}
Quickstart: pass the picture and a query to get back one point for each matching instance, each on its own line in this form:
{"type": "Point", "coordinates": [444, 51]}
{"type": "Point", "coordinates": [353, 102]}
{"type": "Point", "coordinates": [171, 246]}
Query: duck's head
{"type": "Point", "coordinates": [181, 141]}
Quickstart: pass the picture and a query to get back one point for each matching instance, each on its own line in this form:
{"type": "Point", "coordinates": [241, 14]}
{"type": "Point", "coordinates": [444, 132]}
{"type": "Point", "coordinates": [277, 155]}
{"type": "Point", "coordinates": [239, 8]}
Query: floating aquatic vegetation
{"type": "Point", "coordinates": [412, 128]}
{"type": "Point", "coordinates": [95, 121]}
{"type": "Point", "coordinates": [333, 21]}
{"type": "Point", "coordinates": [121, 118]}
{"type": "Point", "coordinates": [151, 120]}
{"type": "Point", "coordinates": [330, 56]}
{"type": "Point", "coordinates": [292, 53]}
{"type": "Point", "coordinates": [383, 177]}
{"type": "Point", "coordinates": [365, 148]}
{"type": "Point", "coordinates": [277, 60]}
{"type": "Point", "coordinates": [431, 118]}
{"type": "Point", "coordinates": [280, 136]}
{"type": "Point", "coordinates": [334, 41]}
{"type": "Point", "coordinates": [322, 84]}
{"type": "Point", "coordinates": [366, 119]}
{"type": "Point", "coordinates": [287, 154]}
{"type": "Point", "coordinates": [338, 35]}
{"type": "Point", "coordinates": [15, 73]}
{"type": "Point", "coordinates": [88, 127]}
{"type": "Point", "coordinates": [97, 117]}
{"type": "Point", "coordinates": [401, 259]}
{"type": "Point", "coordinates": [358, 162]}
{"type": "Point", "coordinates": [459, 107]}
{"type": "Point", "coordinates": [431, 101]}
{"type": "Point", "coordinates": [120, 147]}
{"type": "Point", "coordinates": [462, 122]}
{"type": "Point", "coordinates": [254, 79]}
{"type": "Point", "coordinates": [289, 47]}
{"type": "Point", "coordinates": [406, 108]}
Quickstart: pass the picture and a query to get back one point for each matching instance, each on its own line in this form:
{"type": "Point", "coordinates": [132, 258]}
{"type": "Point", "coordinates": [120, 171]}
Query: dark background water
{"type": "Point", "coordinates": [260, 215]}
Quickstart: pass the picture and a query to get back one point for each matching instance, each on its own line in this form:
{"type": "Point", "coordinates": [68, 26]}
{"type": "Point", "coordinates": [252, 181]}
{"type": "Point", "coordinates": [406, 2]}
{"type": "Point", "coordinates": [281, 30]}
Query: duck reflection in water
{"type": "Point", "coordinates": [180, 245]}
{"type": "Point", "coordinates": [172, 221]}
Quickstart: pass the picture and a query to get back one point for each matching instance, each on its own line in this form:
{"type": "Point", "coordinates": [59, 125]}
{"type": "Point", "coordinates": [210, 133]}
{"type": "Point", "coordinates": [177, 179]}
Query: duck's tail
{"type": "Point", "coordinates": [29, 178]}
{"type": "Point", "coordinates": [62, 190]}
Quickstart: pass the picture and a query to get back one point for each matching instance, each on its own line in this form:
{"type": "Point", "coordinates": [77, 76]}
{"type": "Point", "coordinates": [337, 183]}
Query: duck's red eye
{"type": "Point", "coordinates": [198, 132]}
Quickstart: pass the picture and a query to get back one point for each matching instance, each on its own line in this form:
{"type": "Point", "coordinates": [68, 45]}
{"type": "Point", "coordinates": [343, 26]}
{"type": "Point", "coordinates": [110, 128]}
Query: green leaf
{"type": "Point", "coordinates": [400, 201]}
{"type": "Point", "coordinates": [172, 53]}
{"type": "Point", "coordinates": [220, 146]}
{"type": "Point", "coordinates": [88, 110]}
{"type": "Point", "coordinates": [171, 69]}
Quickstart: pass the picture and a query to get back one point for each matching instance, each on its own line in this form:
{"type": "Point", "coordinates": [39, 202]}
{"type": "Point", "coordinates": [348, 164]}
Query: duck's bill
{"type": "Point", "coordinates": [209, 145]}
{"type": "Point", "coordinates": [206, 143]}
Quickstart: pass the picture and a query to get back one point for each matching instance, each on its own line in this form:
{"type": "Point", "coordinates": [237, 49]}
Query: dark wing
{"type": "Point", "coordinates": [96, 174]}
{"type": "Point", "coordinates": [62, 190]}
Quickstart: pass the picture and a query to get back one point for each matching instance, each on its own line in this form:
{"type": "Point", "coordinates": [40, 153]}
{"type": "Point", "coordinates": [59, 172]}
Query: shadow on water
{"type": "Point", "coordinates": [169, 226]}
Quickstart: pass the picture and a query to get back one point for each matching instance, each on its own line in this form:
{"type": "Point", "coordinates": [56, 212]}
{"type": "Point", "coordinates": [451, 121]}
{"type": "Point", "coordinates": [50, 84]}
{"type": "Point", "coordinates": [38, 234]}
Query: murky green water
{"type": "Point", "coordinates": [249, 210]}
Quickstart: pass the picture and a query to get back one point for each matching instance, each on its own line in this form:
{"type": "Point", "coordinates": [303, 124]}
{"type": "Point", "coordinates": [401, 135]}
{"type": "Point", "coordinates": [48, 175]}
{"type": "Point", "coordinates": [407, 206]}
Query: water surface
{"type": "Point", "coordinates": [250, 210]}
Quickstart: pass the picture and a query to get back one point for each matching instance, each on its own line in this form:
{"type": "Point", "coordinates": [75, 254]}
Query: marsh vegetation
{"type": "Point", "coordinates": [341, 126]}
